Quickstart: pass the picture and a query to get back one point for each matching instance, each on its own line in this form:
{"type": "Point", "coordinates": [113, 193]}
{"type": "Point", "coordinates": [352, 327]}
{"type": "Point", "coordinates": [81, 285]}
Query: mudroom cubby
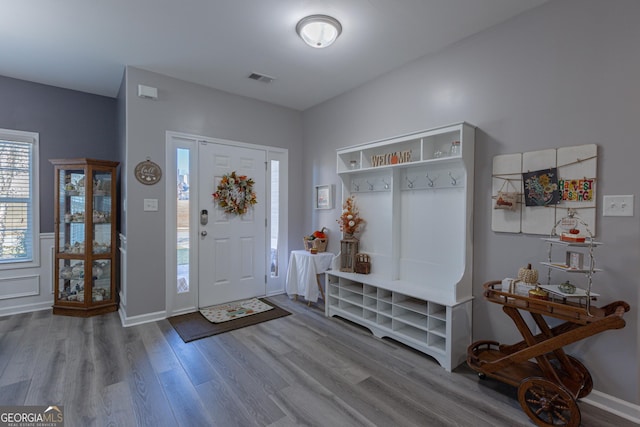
{"type": "Point", "coordinates": [415, 193]}
{"type": "Point", "coordinates": [439, 330]}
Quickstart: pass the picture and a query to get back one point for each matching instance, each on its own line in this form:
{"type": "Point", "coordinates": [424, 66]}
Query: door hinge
{"type": "Point", "coordinates": [265, 279]}
{"type": "Point", "coordinates": [265, 222]}
{"type": "Point", "coordinates": [266, 166]}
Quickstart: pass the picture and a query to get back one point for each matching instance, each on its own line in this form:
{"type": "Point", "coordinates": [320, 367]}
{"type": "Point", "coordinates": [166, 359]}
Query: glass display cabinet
{"type": "Point", "coordinates": [85, 233]}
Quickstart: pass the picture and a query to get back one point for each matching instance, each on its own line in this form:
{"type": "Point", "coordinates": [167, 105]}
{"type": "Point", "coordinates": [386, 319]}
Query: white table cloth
{"type": "Point", "coordinates": [302, 274]}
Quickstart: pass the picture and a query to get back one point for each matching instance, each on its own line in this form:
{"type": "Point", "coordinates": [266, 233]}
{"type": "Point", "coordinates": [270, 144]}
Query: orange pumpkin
{"type": "Point", "coordinates": [320, 234]}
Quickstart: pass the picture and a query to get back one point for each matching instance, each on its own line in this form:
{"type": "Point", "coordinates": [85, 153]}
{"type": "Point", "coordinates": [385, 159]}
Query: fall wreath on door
{"type": "Point", "coordinates": [235, 193]}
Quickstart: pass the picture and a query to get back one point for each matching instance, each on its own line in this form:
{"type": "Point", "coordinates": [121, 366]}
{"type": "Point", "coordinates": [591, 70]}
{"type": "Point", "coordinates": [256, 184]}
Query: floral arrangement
{"type": "Point", "coordinates": [350, 218]}
{"type": "Point", "coordinates": [235, 193]}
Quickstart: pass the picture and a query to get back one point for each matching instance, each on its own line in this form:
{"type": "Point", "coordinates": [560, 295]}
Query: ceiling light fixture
{"type": "Point", "coordinates": [319, 31]}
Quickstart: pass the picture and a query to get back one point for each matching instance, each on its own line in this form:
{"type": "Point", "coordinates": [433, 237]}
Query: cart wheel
{"type": "Point", "coordinates": [548, 404]}
{"type": "Point", "coordinates": [482, 375]}
{"type": "Point", "coordinates": [587, 382]}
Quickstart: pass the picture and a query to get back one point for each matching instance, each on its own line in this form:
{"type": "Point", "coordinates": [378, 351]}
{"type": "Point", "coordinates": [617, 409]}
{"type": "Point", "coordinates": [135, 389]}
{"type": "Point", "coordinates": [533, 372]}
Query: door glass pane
{"type": "Point", "coordinates": [71, 287]}
{"type": "Point", "coordinates": [72, 211]}
{"type": "Point", "coordinates": [101, 215]}
{"type": "Point", "coordinates": [101, 287]}
{"type": "Point", "coordinates": [183, 220]}
{"type": "Point", "coordinates": [275, 215]}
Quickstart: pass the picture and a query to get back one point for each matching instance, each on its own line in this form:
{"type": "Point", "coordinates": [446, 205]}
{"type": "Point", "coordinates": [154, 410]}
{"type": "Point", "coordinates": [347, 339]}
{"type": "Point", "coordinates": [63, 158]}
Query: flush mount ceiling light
{"type": "Point", "coordinates": [319, 31]}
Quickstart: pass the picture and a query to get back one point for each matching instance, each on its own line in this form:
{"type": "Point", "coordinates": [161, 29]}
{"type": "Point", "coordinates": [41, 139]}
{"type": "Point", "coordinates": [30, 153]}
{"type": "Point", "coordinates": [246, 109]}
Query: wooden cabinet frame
{"type": "Point", "coordinates": [85, 237]}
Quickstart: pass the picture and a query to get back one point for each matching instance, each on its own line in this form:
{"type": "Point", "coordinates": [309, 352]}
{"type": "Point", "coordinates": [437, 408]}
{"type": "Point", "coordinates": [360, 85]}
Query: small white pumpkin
{"type": "Point", "coordinates": [528, 275]}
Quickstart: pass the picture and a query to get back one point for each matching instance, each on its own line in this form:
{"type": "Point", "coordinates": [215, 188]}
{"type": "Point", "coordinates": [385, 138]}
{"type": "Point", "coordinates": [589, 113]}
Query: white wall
{"type": "Point", "coordinates": [563, 74]}
{"type": "Point", "coordinates": [197, 110]}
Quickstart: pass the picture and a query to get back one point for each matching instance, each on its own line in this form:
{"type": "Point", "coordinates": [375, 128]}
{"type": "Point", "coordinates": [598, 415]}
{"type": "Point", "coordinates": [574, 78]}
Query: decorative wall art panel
{"type": "Point", "coordinates": [546, 183]}
{"type": "Point", "coordinates": [578, 171]}
{"type": "Point", "coordinates": [538, 219]}
{"type": "Point", "coordinates": [541, 187]}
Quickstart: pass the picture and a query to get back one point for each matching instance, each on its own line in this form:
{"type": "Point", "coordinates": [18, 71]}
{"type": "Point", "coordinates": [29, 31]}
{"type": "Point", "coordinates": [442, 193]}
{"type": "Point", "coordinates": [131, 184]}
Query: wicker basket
{"type": "Point", "coordinates": [320, 245]}
{"type": "Point", "coordinates": [363, 263]}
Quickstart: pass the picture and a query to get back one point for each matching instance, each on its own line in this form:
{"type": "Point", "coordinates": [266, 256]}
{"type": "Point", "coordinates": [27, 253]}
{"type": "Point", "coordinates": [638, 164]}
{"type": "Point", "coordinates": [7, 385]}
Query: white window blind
{"type": "Point", "coordinates": [17, 196]}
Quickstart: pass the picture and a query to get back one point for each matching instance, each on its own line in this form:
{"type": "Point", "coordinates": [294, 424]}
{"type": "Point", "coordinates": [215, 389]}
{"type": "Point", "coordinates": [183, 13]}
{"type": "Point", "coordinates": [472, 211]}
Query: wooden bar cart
{"type": "Point", "coordinates": [549, 387]}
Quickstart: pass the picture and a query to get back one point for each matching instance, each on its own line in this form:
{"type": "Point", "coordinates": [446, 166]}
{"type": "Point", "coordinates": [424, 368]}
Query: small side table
{"type": "Point", "coordinates": [302, 274]}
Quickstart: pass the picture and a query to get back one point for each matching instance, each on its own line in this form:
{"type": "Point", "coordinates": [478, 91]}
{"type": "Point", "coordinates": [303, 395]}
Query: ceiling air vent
{"type": "Point", "coordinates": [261, 77]}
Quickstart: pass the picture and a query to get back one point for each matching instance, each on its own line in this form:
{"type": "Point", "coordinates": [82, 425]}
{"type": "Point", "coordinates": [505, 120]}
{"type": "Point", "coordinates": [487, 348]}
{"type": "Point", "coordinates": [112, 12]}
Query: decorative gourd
{"type": "Point", "coordinates": [567, 288]}
{"type": "Point", "coordinates": [528, 275]}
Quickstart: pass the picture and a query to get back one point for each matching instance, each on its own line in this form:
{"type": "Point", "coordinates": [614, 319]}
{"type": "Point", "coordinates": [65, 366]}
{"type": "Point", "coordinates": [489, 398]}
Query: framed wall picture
{"type": "Point", "coordinates": [323, 197]}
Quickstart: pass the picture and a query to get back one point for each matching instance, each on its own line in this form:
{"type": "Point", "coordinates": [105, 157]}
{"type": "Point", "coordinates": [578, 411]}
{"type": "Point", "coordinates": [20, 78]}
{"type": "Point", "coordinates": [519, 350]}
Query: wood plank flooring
{"type": "Point", "coordinates": [302, 369]}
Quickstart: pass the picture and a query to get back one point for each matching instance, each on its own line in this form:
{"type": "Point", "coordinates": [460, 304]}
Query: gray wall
{"type": "Point", "coordinates": [563, 74]}
{"type": "Point", "coordinates": [71, 124]}
{"type": "Point", "coordinates": [193, 109]}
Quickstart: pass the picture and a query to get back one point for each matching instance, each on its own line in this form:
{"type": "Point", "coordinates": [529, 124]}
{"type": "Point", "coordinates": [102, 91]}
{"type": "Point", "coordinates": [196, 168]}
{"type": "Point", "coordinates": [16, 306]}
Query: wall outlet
{"type": "Point", "coordinates": [617, 205]}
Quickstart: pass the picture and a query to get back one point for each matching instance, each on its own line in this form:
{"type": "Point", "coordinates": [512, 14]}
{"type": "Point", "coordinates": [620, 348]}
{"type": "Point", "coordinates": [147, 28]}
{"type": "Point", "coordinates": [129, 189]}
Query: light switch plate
{"type": "Point", "coordinates": [617, 205]}
{"type": "Point", "coordinates": [151, 205]}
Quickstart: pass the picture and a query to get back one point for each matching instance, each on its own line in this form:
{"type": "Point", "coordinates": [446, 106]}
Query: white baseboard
{"type": "Point", "coordinates": [184, 311]}
{"type": "Point", "coordinates": [139, 320]}
{"type": "Point", "coordinates": [274, 293]}
{"type": "Point", "coordinates": [26, 308]}
{"type": "Point", "coordinates": [613, 405]}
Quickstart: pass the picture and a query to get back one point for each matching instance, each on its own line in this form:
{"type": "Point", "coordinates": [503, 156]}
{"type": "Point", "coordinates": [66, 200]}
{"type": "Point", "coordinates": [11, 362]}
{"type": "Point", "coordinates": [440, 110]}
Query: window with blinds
{"type": "Point", "coordinates": [18, 198]}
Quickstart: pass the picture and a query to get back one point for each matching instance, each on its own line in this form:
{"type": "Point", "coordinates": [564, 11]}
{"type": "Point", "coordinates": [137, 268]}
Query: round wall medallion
{"type": "Point", "coordinates": [148, 172]}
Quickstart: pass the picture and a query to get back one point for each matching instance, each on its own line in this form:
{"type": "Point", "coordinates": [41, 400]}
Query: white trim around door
{"type": "Point", "coordinates": [182, 295]}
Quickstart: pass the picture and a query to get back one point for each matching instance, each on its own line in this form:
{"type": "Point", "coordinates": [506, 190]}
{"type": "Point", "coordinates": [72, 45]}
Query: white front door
{"type": "Point", "coordinates": [232, 248]}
